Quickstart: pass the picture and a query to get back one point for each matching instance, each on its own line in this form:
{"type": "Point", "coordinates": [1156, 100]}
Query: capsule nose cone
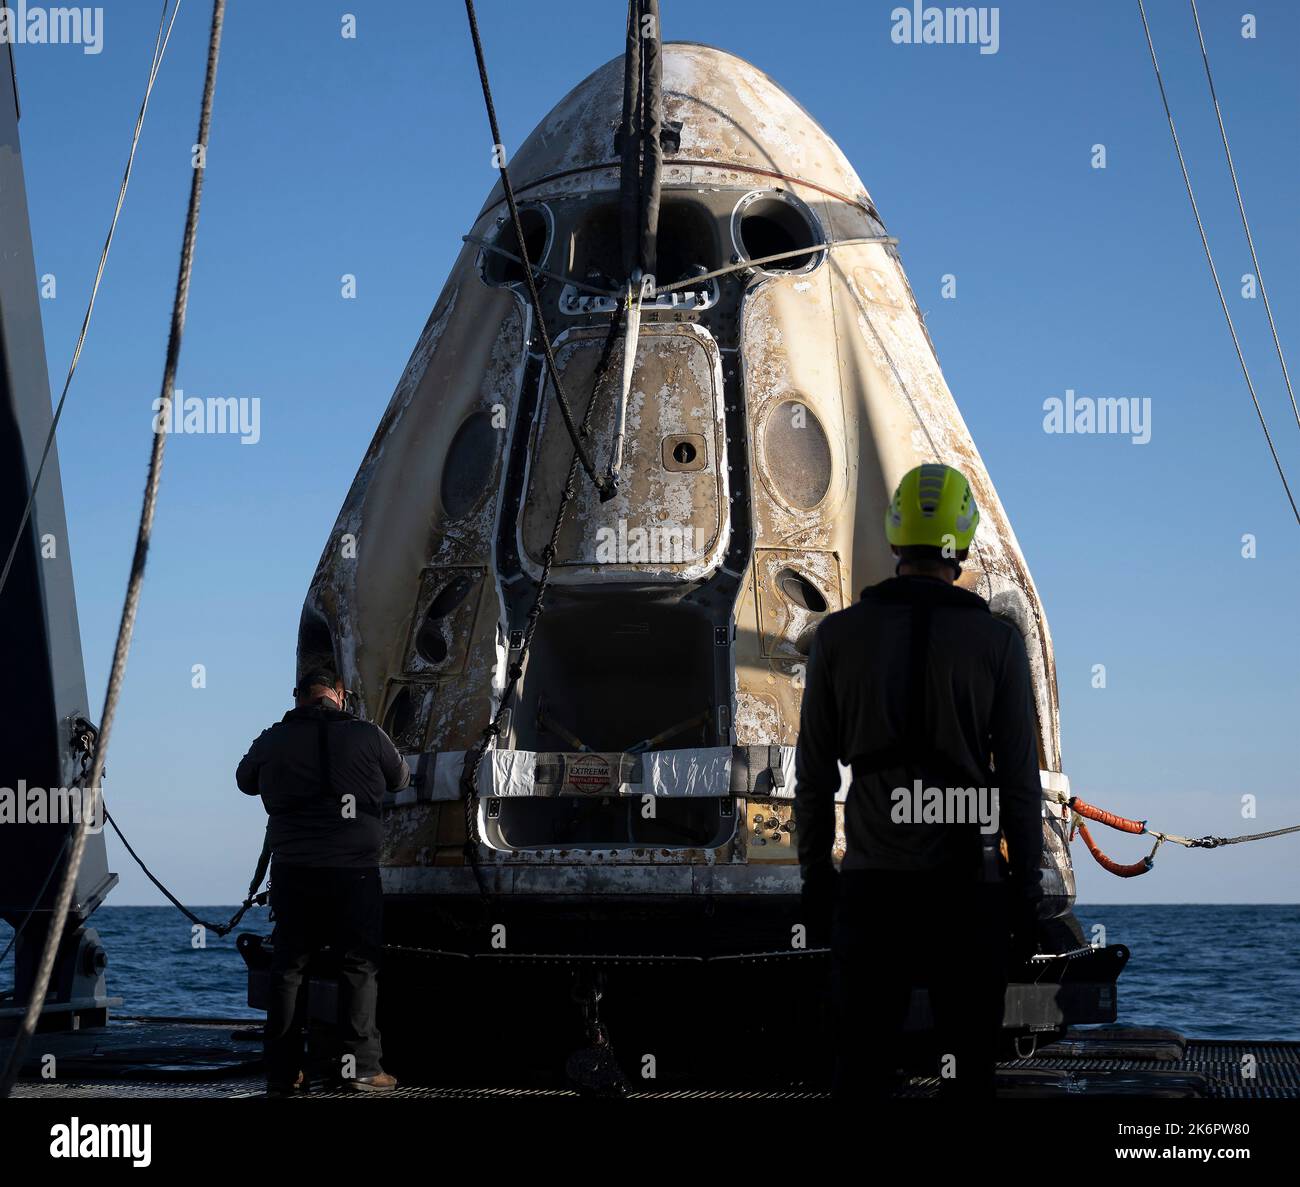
{"type": "Point", "coordinates": [720, 112]}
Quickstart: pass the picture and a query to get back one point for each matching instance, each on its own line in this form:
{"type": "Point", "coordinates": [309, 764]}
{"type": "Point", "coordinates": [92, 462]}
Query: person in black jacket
{"type": "Point", "coordinates": [322, 774]}
{"type": "Point", "coordinates": [927, 698]}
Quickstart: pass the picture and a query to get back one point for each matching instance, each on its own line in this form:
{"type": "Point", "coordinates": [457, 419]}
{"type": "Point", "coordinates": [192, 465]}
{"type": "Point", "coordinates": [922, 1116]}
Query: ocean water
{"type": "Point", "coordinates": [1227, 972]}
{"type": "Point", "coordinates": [156, 967]}
{"type": "Point", "coordinates": [1215, 972]}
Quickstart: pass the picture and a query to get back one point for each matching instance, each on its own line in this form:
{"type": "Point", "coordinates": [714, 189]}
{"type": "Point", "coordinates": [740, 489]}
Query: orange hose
{"type": "Point", "coordinates": [1103, 817]}
{"type": "Point", "coordinates": [1114, 867]}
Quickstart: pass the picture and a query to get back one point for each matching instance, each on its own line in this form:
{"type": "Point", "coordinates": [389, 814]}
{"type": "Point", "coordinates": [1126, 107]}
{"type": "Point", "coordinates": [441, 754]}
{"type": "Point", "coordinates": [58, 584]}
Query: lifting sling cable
{"type": "Point", "coordinates": [131, 603]}
{"type": "Point", "coordinates": [630, 172]}
{"type": "Point", "coordinates": [474, 758]}
{"type": "Point", "coordinates": [640, 185]}
{"type": "Point", "coordinates": [1241, 206]}
{"type": "Point", "coordinates": [253, 897]}
{"type": "Point", "coordinates": [1214, 272]}
{"type": "Point", "coordinates": [650, 132]}
{"type": "Point", "coordinates": [690, 282]}
{"type": "Point", "coordinates": [159, 50]}
{"type": "Point", "coordinates": [601, 484]}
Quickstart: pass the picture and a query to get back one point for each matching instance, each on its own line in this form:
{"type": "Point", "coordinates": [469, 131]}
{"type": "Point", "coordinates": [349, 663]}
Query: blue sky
{"type": "Point", "coordinates": [371, 157]}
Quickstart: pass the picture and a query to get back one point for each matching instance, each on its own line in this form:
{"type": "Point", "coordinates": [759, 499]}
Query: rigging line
{"type": "Point", "coordinates": [1081, 808]}
{"type": "Point", "coordinates": [898, 379]}
{"type": "Point", "coordinates": [220, 929]}
{"type": "Point", "coordinates": [1241, 206]}
{"type": "Point", "coordinates": [742, 265]}
{"type": "Point", "coordinates": [603, 485]}
{"type": "Point", "coordinates": [540, 271]}
{"type": "Point", "coordinates": [690, 281]}
{"type": "Point", "coordinates": [1214, 272]}
{"type": "Point", "coordinates": [1215, 842]}
{"type": "Point", "coordinates": [916, 412]}
{"type": "Point", "coordinates": [131, 604]}
{"type": "Point", "coordinates": [160, 49]}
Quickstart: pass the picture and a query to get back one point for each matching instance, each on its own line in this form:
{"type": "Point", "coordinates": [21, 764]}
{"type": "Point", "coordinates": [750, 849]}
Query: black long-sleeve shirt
{"type": "Point", "coordinates": [977, 705]}
{"type": "Point", "coordinates": [315, 825]}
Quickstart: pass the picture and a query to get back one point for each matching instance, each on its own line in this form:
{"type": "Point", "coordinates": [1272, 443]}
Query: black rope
{"type": "Point", "coordinates": [603, 484]}
{"type": "Point", "coordinates": [253, 898]}
{"type": "Point", "coordinates": [131, 604]}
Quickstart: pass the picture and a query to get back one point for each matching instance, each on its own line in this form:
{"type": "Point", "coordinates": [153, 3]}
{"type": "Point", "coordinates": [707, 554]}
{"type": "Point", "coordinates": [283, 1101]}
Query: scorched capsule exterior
{"type": "Point", "coordinates": [639, 796]}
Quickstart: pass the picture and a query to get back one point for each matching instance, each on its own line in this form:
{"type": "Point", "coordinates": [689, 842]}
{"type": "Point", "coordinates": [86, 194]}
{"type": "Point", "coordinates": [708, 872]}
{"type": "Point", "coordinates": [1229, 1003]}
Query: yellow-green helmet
{"type": "Point", "coordinates": [933, 505]}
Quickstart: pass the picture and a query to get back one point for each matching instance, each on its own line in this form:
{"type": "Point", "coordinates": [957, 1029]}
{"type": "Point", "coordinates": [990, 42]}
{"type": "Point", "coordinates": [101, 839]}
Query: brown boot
{"type": "Point", "coordinates": [380, 1082]}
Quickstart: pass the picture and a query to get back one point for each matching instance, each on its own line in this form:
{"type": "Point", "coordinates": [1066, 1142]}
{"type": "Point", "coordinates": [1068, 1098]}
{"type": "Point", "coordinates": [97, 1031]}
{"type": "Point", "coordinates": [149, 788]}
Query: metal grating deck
{"type": "Point", "coordinates": [177, 1059]}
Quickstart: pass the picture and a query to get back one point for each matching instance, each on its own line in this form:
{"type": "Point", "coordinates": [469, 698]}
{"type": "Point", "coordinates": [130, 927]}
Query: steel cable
{"type": "Point", "coordinates": [1214, 272]}
{"type": "Point", "coordinates": [553, 370]}
{"type": "Point", "coordinates": [1241, 206]}
{"type": "Point", "coordinates": [131, 602]}
{"type": "Point", "coordinates": [160, 48]}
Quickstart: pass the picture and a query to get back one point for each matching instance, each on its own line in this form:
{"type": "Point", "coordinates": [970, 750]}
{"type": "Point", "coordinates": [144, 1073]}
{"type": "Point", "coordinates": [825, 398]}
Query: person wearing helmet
{"type": "Point", "coordinates": [927, 697]}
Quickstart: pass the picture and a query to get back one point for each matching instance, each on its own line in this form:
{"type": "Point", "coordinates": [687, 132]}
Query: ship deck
{"type": "Point", "coordinates": [174, 1058]}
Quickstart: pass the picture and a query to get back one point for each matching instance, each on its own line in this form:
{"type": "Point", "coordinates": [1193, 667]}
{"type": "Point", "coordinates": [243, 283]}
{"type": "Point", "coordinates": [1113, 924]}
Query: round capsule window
{"type": "Point", "coordinates": [772, 223]}
{"type": "Point", "coordinates": [500, 269]}
{"type": "Point", "coordinates": [471, 461]}
{"type": "Point", "coordinates": [798, 454]}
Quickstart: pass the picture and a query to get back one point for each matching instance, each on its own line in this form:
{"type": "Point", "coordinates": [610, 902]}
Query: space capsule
{"type": "Point", "coordinates": [637, 798]}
